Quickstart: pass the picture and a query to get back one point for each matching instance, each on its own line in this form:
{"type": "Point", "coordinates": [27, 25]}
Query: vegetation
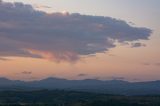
{"type": "Point", "coordinates": [72, 98]}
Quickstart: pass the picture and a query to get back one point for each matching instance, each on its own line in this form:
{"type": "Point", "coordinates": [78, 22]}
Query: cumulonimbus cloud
{"type": "Point", "coordinates": [26, 32]}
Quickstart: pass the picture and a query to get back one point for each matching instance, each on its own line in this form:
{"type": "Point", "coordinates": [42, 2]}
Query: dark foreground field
{"type": "Point", "coordinates": [71, 98]}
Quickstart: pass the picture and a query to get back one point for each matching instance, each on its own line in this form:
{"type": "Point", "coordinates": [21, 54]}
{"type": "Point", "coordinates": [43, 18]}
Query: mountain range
{"type": "Point", "coordinates": [89, 85]}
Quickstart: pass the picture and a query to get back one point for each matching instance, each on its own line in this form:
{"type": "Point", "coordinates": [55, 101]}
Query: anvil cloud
{"type": "Point", "coordinates": [26, 32]}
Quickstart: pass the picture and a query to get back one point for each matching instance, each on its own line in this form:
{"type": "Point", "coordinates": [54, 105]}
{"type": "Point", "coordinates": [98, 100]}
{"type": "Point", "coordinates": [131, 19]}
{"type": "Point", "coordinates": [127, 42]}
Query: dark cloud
{"type": "Point", "coordinates": [26, 32]}
{"type": "Point", "coordinates": [137, 45]}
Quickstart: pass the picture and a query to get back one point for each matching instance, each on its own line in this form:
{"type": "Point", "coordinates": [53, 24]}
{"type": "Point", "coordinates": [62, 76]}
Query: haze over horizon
{"type": "Point", "coordinates": [79, 39]}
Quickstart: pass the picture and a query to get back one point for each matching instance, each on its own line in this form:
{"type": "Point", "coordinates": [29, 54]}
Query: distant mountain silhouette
{"type": "Point", "coordinates": [91, 85]}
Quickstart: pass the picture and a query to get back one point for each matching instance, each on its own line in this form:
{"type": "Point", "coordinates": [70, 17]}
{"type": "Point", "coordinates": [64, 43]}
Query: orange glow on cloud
{"type": "Point", "coordinates": [53, 56]}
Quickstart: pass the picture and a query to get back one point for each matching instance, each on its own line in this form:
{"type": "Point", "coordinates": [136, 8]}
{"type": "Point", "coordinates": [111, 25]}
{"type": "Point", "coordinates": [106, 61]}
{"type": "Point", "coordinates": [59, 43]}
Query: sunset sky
{"type": "Point", "coordinates": [80, 39]}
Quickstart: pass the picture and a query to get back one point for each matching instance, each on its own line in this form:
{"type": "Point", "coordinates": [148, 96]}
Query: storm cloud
{"type": "Point", "coordinates": [26, 32]}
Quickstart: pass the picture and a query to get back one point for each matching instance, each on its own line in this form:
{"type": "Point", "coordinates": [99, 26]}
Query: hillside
{"type": "Point", "coordinates": [89, 85]}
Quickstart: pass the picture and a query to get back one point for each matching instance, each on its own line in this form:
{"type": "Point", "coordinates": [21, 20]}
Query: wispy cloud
{"type": "Point", "coordinates": [146, 64]}
{"type": "Point", "coordinates": [151, 64]}
{"type": "Point", "coordinates": [117, 78]}
{"type": "Point", "coordinates": [27, 72]}
{"type": "Point", "coordinates": [3, 59]}
{"type": "Point", "coordinates": [26, 32]}
{"type": "Point", "coordinates": [82, 75]}
{"type": "Point", "coordinates": [133, 45]}
{"type": "Point", "coordinates": [157, 64]}
{"type": "Point", "coordinates": [41, 6]}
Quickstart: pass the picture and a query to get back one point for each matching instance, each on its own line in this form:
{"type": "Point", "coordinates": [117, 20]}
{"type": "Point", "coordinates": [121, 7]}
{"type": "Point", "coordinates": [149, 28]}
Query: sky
{"type": "Point", "coordinates": [80, 39]}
